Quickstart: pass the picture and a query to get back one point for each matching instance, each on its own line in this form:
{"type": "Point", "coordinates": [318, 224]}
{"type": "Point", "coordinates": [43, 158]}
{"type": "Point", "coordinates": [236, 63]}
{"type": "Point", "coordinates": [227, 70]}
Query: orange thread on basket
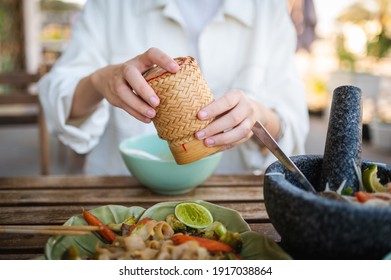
{"type": "Point", "coordinates": [184, 147]}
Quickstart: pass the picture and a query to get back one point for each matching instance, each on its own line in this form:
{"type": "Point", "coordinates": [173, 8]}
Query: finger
{"type": "Point", "coordinates": [135, 103]}
{"type": "Point", "coordinates": [133, 69]}
{"type": "Point", "coordinates": [220, 106]}
{"type": "Point", "coordinates": [225, 122]}
{"type": "Point", "coordinates": [135, 114]}
{"type": "Point", "coordinates": [136, 81]}
{"type": "Point", "coordinates": [155, 56]}
{"type": "Point", "coordinates": [121, 93]}
{"type": "Point", "coordinates": [238, 134]}
{"type": "Point", "coordinates": [123, 97]}
{"type": "Point", "coordinates": [232, 145]}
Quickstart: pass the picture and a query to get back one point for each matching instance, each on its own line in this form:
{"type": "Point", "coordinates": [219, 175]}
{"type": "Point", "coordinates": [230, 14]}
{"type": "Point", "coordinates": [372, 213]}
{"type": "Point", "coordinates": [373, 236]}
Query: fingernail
{"type": "Point", "coordinates": [203, 114]}
{"type": "Point", "coordinates": [154, 101]}
{"type": "Point", "coordinates": [200, 134]}
{"type": "Point", "coordinates": [209, 142]}
{"type": "Point", "coordinates": [173, 66]}
{"type": "Point", "coordinates": [150, 113]}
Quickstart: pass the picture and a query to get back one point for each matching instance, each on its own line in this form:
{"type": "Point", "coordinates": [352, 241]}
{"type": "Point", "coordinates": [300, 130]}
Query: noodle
{"type": "Point", "coordinates": [152, 242]}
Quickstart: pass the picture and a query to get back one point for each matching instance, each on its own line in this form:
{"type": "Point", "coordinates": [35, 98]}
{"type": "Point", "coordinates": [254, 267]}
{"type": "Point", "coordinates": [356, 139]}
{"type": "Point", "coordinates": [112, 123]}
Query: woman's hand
{"type": "Point", "coordinates": [124, 86]}
{"type": "Point", "coordinates": [235, 115]}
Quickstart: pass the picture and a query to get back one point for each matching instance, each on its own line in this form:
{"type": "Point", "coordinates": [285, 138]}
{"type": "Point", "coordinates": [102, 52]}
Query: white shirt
{"type": "Point", "coordinates": [248, 44]}
{"type": "Point", "coordinates": [197, 14]}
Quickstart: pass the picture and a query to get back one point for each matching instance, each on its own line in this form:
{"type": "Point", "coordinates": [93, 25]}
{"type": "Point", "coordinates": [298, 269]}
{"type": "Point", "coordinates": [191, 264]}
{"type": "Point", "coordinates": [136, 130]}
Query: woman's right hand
{"type": "Point", "coordinates": [124, 86]}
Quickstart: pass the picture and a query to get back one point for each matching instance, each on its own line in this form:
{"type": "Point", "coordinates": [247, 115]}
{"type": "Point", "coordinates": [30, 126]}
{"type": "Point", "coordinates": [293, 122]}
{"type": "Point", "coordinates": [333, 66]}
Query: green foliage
{"type": "Point", "coordinates": [380, 46]}
{"type": "Point", "coordinates": [362, 13]}
{"type": "Point", "coordinates": [346, 59]}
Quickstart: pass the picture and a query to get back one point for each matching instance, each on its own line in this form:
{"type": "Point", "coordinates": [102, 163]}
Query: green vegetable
{"type": "Point", "coordinates": [175, 224]}
{"type": "Point", "coordinates": [220, 229]}
{"type": "Point", "coordinates": [233, 239]}
{"type": "Point", "coordinates": [214, 231]}
{"type": "Point", "coordinates": [347, 191]}
{"type": "Point", "coordinates": [371, 181]}
{"type": "Point", "coordinates": [129, 221]}
{"type": "Point", "coordinates": [217, 231]}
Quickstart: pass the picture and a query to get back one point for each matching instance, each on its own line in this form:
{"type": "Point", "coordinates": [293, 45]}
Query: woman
{"type": "Point", "coordinates": [95, 95]}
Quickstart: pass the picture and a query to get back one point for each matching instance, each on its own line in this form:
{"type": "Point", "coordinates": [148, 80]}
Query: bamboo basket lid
{"type": "Point", "coordinates": [182, 95]}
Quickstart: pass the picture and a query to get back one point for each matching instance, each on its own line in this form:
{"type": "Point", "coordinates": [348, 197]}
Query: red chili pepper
{"type": "Point", "coordinates": [208, 244]}
{"type": "Point", "coordinates": [363, 196]}
{"type": "Point", "coordinates": [105, 232]}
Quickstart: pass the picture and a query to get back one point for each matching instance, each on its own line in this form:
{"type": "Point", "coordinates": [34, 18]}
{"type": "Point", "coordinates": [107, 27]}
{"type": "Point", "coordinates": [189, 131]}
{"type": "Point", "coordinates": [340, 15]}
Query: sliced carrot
{"type": "Point", "coordinates": [105, 232]}
{"type": "Point", "coordinates": [209, 244]}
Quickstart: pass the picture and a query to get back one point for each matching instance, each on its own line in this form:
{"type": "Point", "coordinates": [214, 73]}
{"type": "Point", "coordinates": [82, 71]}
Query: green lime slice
{"type": "Point", "coordinates": [193, 215]}
{"type": "Point", "coordinates": [371, 181]}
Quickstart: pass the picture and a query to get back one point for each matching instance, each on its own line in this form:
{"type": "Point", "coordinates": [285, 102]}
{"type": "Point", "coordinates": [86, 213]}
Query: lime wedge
{"type": "Point", "coordinates": [193, 215]}
{"type": "Point", "coordinates": [371, 181]}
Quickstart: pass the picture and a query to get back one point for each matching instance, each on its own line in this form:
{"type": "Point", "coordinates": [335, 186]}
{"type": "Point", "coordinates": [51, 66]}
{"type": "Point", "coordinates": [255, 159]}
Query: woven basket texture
{"type": "Point", "coordinates": [182, 95]}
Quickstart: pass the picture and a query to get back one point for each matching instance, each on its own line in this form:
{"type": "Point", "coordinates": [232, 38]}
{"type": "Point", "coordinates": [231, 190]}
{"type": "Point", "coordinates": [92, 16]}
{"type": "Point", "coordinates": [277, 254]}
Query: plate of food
{"type": "Point", "coordinates": [167, 230]}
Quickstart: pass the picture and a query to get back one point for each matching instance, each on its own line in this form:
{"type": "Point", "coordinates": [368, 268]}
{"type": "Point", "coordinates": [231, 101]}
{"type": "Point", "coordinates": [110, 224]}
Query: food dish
{"type": "Point", "coordinates": [255, 245]}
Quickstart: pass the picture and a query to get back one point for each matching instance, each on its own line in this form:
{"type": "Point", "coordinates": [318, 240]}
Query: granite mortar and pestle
{"type": "Point", "coordinates": [343, 140]}
{"type": "Point", "coordinates": [313, 227]}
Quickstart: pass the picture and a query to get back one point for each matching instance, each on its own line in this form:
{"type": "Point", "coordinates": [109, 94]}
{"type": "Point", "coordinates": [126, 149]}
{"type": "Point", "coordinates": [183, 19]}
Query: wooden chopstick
{"type": "Point", "coordinates": [50, 230]}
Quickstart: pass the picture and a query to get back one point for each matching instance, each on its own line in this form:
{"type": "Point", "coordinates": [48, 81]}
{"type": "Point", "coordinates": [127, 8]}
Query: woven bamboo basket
{"type": "Point", "coordinates": [181, 95]}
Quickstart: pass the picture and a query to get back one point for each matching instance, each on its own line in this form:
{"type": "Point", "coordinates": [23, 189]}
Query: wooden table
{"type": "Point", "coordinates": [51, 200]}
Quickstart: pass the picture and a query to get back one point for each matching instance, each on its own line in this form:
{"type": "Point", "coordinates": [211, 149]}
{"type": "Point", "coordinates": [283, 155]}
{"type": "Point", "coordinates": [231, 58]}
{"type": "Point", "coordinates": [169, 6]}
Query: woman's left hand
{"type": "Point", "coordinates": [235, 115]}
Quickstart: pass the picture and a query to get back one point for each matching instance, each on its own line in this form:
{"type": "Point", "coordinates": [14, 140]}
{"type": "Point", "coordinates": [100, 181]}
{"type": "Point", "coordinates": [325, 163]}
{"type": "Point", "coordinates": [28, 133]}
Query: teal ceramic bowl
{"type": "Point", "coordinates": [165, 176]}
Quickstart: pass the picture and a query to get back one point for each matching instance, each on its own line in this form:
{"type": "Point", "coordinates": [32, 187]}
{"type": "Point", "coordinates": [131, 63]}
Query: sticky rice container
{"type": "Point", "coordinates": [182, 95]}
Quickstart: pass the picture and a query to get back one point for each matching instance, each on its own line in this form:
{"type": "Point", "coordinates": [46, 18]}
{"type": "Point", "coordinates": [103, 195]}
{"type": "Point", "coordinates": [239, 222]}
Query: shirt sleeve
{"type": "Point", "coordinates": [85, 53]}
{"type": "Point", "coordinates": [279, 87]}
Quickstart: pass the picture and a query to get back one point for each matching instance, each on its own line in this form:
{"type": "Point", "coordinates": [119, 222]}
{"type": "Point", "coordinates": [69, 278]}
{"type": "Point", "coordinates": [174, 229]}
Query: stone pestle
{"type": "Point", "coordinates": [343, 140]}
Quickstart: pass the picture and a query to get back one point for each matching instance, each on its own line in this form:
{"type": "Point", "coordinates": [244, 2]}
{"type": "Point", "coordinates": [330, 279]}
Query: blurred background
{"type": "Point", "coordinates": [339, 42]}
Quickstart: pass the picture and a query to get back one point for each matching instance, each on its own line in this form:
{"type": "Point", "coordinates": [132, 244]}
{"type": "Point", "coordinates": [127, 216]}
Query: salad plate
{"type": "Point", "coordinates": [255, 245]}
